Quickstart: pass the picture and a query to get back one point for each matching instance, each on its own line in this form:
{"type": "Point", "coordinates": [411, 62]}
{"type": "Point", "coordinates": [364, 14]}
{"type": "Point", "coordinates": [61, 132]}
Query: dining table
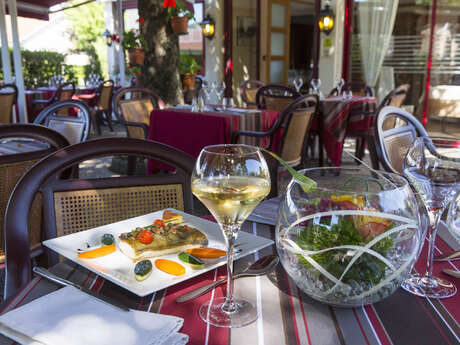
{"type": "Point", "coordinates": [191, 131]}
{"type": "Point", "coordinates": [287, 316]}
{"type": "Point", "coordinates": [340, 115]}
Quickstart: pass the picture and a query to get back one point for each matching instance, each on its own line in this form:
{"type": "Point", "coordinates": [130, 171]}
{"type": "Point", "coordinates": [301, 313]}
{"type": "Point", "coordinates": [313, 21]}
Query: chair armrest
{"type": "Point", "coordinates": [237, 134]}
{"type": "Point", "coordinates": [138, 124]}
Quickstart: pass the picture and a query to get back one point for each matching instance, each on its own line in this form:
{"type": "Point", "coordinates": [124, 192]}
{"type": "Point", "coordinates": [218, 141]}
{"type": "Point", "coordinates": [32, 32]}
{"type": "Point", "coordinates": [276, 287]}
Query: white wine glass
{"type": "Point", "coordinates": [220, 92]}
{"type": "Point", "coordinates": [433, 169]}
{"type": "Point", "coordinates": [206, 91]}
{"type": "Point", "coordinates": [230, 180]}
{"type": "Point", "coordinates": [340, 85]}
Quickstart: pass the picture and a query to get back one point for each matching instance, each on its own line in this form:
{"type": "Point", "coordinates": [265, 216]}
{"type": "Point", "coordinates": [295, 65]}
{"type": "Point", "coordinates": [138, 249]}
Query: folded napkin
{"type": "Point", "coordinates": [69, 316]}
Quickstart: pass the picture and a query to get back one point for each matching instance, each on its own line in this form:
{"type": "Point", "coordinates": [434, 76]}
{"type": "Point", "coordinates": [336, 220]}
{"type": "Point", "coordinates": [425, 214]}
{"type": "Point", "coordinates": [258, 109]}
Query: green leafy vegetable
{"type": "Point", "coordinates": [366, 270]}
{"type": "Point", "coordinates": [306, 183]}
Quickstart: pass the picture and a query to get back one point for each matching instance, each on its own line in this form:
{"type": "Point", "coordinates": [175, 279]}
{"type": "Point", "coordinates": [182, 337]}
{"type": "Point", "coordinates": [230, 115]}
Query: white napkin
{"type": "Point", "coordinates": [69, 316]}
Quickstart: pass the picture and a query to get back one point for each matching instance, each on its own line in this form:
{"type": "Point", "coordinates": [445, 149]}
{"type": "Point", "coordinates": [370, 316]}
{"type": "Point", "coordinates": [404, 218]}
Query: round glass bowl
{"type": "Point", "coordinates": [353, 239]}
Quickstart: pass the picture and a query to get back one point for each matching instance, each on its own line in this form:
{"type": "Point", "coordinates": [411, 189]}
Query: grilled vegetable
{"type": "Point", "coordinates": [191, 260]}
{"type": "Point", "coordinates": [206, 253]}
{"type": "Point", "coordinates": [170, 267]}
{"type": "Point", "coordinates": [107, 239]}
{"type": "Point", "coordinates": [98, 252]}
{"type": "Point", "coordinates": [142, 270]}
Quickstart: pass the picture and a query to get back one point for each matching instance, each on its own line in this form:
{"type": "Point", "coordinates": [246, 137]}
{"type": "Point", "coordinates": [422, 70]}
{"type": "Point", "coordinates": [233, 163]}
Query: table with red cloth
{"type": "Point", "coordinates": [340, 115]}
{"type": "Point", "coordinates": [191, 131]}
{"type": "Point", "coordinates": [287, 315]}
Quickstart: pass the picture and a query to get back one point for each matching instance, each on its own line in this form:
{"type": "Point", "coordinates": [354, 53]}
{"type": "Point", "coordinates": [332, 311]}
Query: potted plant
{"type": "Point", "coordinates": [178, 15]}
{"type": "Point", "coordinates": [188, 67]}
{"type": "Point", "coordinates": [134, 42]}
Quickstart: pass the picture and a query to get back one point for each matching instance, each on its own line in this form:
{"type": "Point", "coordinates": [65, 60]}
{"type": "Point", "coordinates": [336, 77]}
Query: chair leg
{"type": "Point", "coordinates": [108, 117]}
{"type": "Point", "coordinates": [95, 121]}
{"type": "Point", "coordinates": [131, 165]}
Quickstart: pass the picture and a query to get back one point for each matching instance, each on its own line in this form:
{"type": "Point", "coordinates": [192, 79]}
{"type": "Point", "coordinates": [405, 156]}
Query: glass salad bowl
{"type": "Point", "coordinates": [352, 239]}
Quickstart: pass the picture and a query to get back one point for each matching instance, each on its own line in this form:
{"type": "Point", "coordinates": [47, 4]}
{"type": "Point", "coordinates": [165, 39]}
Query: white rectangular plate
{"type": "Point", "coordinates": [119, 269]}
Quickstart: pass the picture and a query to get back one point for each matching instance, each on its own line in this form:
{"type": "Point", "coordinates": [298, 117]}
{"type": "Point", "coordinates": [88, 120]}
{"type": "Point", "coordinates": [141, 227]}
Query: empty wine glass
{"type": "Point", "coordinates": [316, 84]}
{"type": "Point", "coordinates": [220, 92]}
{"type": "Point", "coordinates": [206, 91]}
{"type": "Point", "coordinates": [230, 180]}
{"type": "Point", "coordinates": [347, 94]}
{"type": "Point", "coordinates": [453, 219]}
{"type": "Point", "coordinates": [433, 169]}
{"type": "Point", "coordinates": [298, 82]}
{"type": "Point", "coordinates": [340, 85]}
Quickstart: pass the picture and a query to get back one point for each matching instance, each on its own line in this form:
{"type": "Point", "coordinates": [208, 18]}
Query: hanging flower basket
{"type": "Point", "coordinates": [188, 81]}
{"type": "Point", "coordinates": [179, 25]}
{"type": "Point", "coordinates": [136, 56]}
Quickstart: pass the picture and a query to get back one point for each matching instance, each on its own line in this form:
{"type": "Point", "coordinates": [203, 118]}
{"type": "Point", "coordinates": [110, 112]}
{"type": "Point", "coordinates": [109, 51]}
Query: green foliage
{"type": "Point", "coordinates": [86, 25]}
{"type": "Point", "coordinates": [39, 66]}
{"type": "Point", "coordinates": [133, 39]}
{"type": "Point", "coordinates": [188, 64]}
{"type": "Point", "coordinates": [180, 10]}
{"type": "Point", "coordinates": [366, 269]}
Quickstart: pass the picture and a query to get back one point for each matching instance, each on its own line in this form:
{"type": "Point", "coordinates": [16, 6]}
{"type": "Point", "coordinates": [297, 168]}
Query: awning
{"type": "Point", "coordinates": [38, 9]}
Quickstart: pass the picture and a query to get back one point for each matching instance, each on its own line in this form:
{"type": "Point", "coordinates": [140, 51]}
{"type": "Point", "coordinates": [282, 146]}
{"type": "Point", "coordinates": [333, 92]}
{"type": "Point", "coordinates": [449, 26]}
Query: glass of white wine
{"type": "Point", "coordinates": [230, 180]}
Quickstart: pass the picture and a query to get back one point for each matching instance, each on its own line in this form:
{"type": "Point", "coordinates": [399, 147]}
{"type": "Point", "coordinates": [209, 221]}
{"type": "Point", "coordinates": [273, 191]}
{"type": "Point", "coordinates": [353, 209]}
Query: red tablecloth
{"type": "Point", "coordinates": [190, 132]}
{"type": "Point", "coordinates": [340, 116]}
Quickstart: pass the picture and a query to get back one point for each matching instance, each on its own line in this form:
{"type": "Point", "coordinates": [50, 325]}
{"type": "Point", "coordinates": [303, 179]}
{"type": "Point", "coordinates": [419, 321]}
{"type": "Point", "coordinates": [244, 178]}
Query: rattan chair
{"type": "Point", "coordinates": [248, 91]}
{"type": "Point", "coordinates": [395, 98]}
{"type": "Point", "coordinates": [275, 97]}
{"type": "Point", "coordinates": [63, 92]}
{"type": "Point", "coordinates": [295, 122]}
{"type": "Point", "coordinates": [132, 107]}
{"type": "Point", "coordinates": [13, 167]}
{"type": "Point", "coordinates": [392, 144]}
{"type": "Point", "coordinates": [103, 109]}
{"type": "Point", "coordinates": [8, 98]}
{"type": "Point", "coordinates": [75, 127]}
{"type": "Point", "coordinates": [74, 205]}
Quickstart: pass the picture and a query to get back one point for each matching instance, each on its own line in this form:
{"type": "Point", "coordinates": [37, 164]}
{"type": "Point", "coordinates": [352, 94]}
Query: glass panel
{"type": "Point", "coordinates": [277, 43]}
{"type": "Point", "coordinates": [277, 71]}
{"type": "Point", "coordinates": [278, 16]}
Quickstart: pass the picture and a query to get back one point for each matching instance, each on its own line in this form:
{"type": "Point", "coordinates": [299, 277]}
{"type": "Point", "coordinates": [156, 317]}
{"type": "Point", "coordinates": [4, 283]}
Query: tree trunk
{"type": "Point", "coordinates": [161, 66]}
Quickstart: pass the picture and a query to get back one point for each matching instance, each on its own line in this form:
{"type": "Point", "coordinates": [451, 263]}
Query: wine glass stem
{"type": "Point", "coordinates": [230, 232]}
{"type": "Point", "coordinates": [434, 218]}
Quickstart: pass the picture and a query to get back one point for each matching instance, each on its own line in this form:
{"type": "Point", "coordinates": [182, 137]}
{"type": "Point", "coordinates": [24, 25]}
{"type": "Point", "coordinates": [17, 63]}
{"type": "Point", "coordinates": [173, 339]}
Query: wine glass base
{"type": "Point", "coordinates": [431, 287]}
{"type": "Point", "coordinates": [244, 313]}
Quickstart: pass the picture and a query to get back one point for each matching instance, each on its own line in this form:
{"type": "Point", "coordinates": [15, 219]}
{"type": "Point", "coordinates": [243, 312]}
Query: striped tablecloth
{"type": "Point", "coordinates": [287, 316]}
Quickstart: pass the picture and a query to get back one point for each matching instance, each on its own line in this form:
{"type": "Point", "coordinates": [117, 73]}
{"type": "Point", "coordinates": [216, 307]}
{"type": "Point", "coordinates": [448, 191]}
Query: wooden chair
{"type": "Point", "coordinates": [132, 107]}
{"type": "Point", "coordinates": [75, 128]}
{"type": "Point", "coordinates": [295, 122]}
{"type": "Point", "coordinates": [103, 109]}
{"type": "Point", "coordinates": [75, 205]}
{"type": "Point", "coordinates": [13, 167]}
{"type": "Point", "coordinates": [275, 97]}
{"type": "Point", "coordinates": [248, 91]}
{"type": "Point", "coordinates": [64, 91]}
{"type": "Point", "coordinates": [392, 144]}
{"type": "Point", "coordinates": [357, 88]}
{"type": "Point", "coordinates": [8, 98]}
{"type": "Point", "coordinates": [395, 98]}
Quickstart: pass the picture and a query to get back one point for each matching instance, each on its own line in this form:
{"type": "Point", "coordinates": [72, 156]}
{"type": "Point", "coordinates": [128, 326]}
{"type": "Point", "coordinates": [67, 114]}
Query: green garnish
{"type": "Point", "coordinates": [191, 260]}
{"type": "Point", "coordinates": [367, 269]}
{"type": "Point", "coordinates": [107, 239]}
{"type": "Point", "coordinates": [306, 183]}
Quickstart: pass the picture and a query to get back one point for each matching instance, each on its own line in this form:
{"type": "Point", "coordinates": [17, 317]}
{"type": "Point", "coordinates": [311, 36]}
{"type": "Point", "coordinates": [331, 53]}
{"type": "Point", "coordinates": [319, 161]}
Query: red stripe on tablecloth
{"type": "Point", "coordinates": [98, 284]}
{"type": "Point", "coordinates": [291, 304]}
{"type": "Point", "coordinates": [377, 325]}
{"type": "Point", "coordinates": [433, 320]}
{"type": "Point", "coordinates": [303, 315]}
{"type": "Point", "coordinates": [28, 293]}
{"type": "Point", "coordinates": [141, 302]}
{"type": "Point", "coordinates": [360, 326]}
{"type": "Point", "coordinates": [451, 304]}
{"type": "Point", "coordinates": [86, 279]}
{"type": "Point", "coordinates": [193, 326]}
